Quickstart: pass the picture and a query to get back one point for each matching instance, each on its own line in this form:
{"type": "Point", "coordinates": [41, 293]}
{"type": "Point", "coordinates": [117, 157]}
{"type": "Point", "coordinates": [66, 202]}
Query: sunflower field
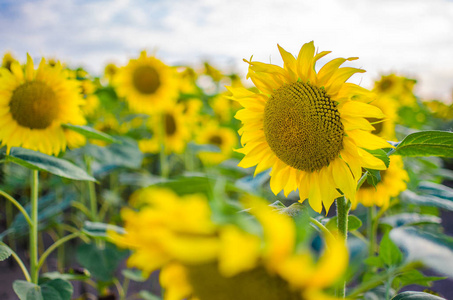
{"type": "Point", "coordinates": [157, 181]}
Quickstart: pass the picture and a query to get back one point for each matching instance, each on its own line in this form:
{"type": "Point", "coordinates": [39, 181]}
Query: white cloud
{"type": "Point", "coordinates": [409, 37]}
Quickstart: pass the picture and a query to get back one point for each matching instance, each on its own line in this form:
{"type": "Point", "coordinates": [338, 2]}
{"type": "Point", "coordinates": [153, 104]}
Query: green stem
{"type": "Point", "coordinates": [343, 206]}
{"type": "Point", "coordinates": [92, 192]}
{"type": "Point", "coordinates": [34, 228]}
{"type": "Point", "coordinates": [56, 245]}
{"type": "Point", "coordinates": [163, 159]}
{"type": "Point", "coordinates": [371, 230]}
{"type": "Point", "coordinates": [18, 205]}
{"type": "Point", "coordinates": [19, 262]}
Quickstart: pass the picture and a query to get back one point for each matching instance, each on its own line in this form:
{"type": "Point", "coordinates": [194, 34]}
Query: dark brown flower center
{"type": "Point", "coordinates": [215, 140]}
{"type": "Point", "coordinates": [146, 79]}
{"type": "Point", "coordinates": [170, 124]}
{"type": "Point", "coordinates": [34, 105]}
{"type": "Point", "coordinates": [209, 284]}
{"type": "Point", "coordinates": [302, 126]}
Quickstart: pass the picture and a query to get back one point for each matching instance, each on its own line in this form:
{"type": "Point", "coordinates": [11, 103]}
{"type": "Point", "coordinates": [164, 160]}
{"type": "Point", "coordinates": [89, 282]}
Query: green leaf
{"type": "Point", "coordinates": [381, 154]}
{"type": "Point", "coordinates": [99, 230]}
{"type": "Point", "coordinates": [126, 154]}
{"type": "Point", "coordinates": [198, 183]}
{"type": "Point", "coordinates": [81, 276]}
{"type": "Point", "coordinates": [49, 212]}
{"type": "Point", "coordinates": [416, 296]}
{"type": "Point", "coordinates": [354, 223]}
{"type": "Point", "coordinates": [374, 261]}
{"type": "Point", "coordinates": [38, 161]}
{"type": "Point", "coordinates": [414, 277]}
{"type": "Point", "coordinates": [135, 275]}
{"type": "Point", "coordinates": [91, 133]}
{"type": "Point", "coordinates": [148, 296]}
{"type": "Point", "coordinates": [373, 177]}
{"type": "Point", "coordinates": [426, 143]}
{"type": "Point", "coordinates": [435, 189]}
{"type": "Point", "coordinates": [389, 252]}
{"type": "Point", "coordinates": [420, 200]}
{"type": "Point", "coordinates": [26, 290]}
{"type": "Point", "coordinates": [434, 250]}
{"type": "Point", "coordinates": [100, 261]}
{"type": "Point", "coordinates": [57, 289]}
{"type": "Point", "coordinates": [5, 251]}
{"type": "Point", "coordinates": [409, 219]}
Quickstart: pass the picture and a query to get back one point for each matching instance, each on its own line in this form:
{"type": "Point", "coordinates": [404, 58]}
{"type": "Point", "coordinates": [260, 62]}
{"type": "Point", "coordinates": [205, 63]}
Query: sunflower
{"type": "Point", "coordinates": [385, 128]}
{"type": "Point", "coordinates": [110, 72]}
{"type": "Point", "coordinates": [393, 182]}
{"type": "Point", "coordinates": [91, 100]}
{"type": "Point", "coordinates": [399, 88]}
{"type": "Point", "coordinates": [7, 60]}
{"type": "Point", "coordinates": [34, 105]}
{"type": "Point", "coordinates": [222, 137]}
{"type": "Point", "coordinates": [147, 84]}
{"type": "Point", "coordinates": [208, 261]}
{"type": "Point", "coordinates": [168, 127]}
{"type": "Point", "coordinates": [308, 127]}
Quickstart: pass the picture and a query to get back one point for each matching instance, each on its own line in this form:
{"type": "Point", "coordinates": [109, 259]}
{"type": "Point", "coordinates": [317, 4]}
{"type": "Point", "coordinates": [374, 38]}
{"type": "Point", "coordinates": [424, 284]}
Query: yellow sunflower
{"type": "Point", "coordinates": [207, 261]}
{"type": "Point", "coordinates": [91, 100]}
{"type": "Point", "coordinates": [110, 72]}
{"type": "Point", "coordinates": [147, 83]}
{"type": "Point", "coordinates": [34, 104]}
{"type": "Point", "coordinates": [222, 137]}
{"type": "Point", "coordinates": [385, 128]}
{"type": "Point", "coordinates": [223, 107]}
{"type": "Point", "coordinates": [398, 87]}
{"type": "Point", "coordinates": [168, 127]}
{"type": "Point", "coordinates": [393, 182]}
{"type": "Point", "coordinates": [308, 127]}
{"type": "Point", "coordinates": [7, 60]}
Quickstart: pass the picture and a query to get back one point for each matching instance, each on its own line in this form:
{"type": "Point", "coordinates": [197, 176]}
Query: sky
{"type": "Point", "coordinates": [412, 38]}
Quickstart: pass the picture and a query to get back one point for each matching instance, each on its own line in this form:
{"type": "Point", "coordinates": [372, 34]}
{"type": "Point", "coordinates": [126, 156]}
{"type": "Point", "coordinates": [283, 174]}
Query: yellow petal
{"type": "Point", "coordinates": [360, 109]}
{"type": "Point", "coordinates": [305, 60]}
{"type": "Point", "coordinates": [367, 140]}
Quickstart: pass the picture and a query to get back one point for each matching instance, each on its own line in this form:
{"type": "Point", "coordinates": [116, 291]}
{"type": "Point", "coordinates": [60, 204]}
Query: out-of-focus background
{"type": "Point", "coordinates": [413, 38]}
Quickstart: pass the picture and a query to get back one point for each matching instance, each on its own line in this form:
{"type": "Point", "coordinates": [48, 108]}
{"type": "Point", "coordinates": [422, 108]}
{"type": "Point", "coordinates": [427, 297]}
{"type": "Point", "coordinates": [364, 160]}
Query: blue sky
{"type": "Point", "coordinates": [409, 37]}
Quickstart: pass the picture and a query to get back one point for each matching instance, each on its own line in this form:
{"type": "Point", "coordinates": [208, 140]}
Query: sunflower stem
{"type": "Point", "coordinates": [371, 230]}
{"type": "Point", "coordinates": [92, 192]}
{"type": "Point", "coordinates": [343, 206]}
{"type": "Point", "coordinates": [34, 270]}
{"type": "Point", "coordinates": [164, 168]}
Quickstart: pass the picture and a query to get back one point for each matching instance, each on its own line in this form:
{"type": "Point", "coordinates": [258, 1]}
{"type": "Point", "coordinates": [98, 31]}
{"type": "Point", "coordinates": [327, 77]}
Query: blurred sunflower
{"type": "Point", "coordinates": [201, 259]}
{"type": "Point", "coordinates": [399, 88]}
{"type": "Point", "coordinates": [147, 83]}
{"type": "Point", "coordinates": [7, 60]}
{"type": "Point", "coordinates": [222, 137]}
{"type": "Point", "coordinates": [110, 72]}
{"type": "Point", "coordinates": [440, 109]}
{"type": "Point", "coordinates": [385, 128]}
{"type": "Point", "coordinates": [34, 105]}
{"type": "Point", "coordinates": [187, 80]}
{"type": "Point", "coordinates": [223, 107]}
{"type": "Point", "coordinates": [168, 128]}
{"type": "Point", "coordinates": [307, 127]}
{"type": "Point", "coordinates": [393, 182]}
{"type": "Point", "coordinates": [91, 100]}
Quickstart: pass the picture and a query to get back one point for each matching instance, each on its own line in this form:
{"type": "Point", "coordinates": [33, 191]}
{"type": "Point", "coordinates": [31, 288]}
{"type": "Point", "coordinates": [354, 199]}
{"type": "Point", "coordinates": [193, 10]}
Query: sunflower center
{"type": "Point", "coordinates": [208, 284]}
{"type": "Point", "coordinates": [34, 105]}
{"type": "Point", "coordinates": [146, 79]}
{"type": "Point", "coordinates": [170, 124]}
{"type": "Point", "coordinates": [302, 126]}
{"type": "Point", "coordinates": [215, 140]}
